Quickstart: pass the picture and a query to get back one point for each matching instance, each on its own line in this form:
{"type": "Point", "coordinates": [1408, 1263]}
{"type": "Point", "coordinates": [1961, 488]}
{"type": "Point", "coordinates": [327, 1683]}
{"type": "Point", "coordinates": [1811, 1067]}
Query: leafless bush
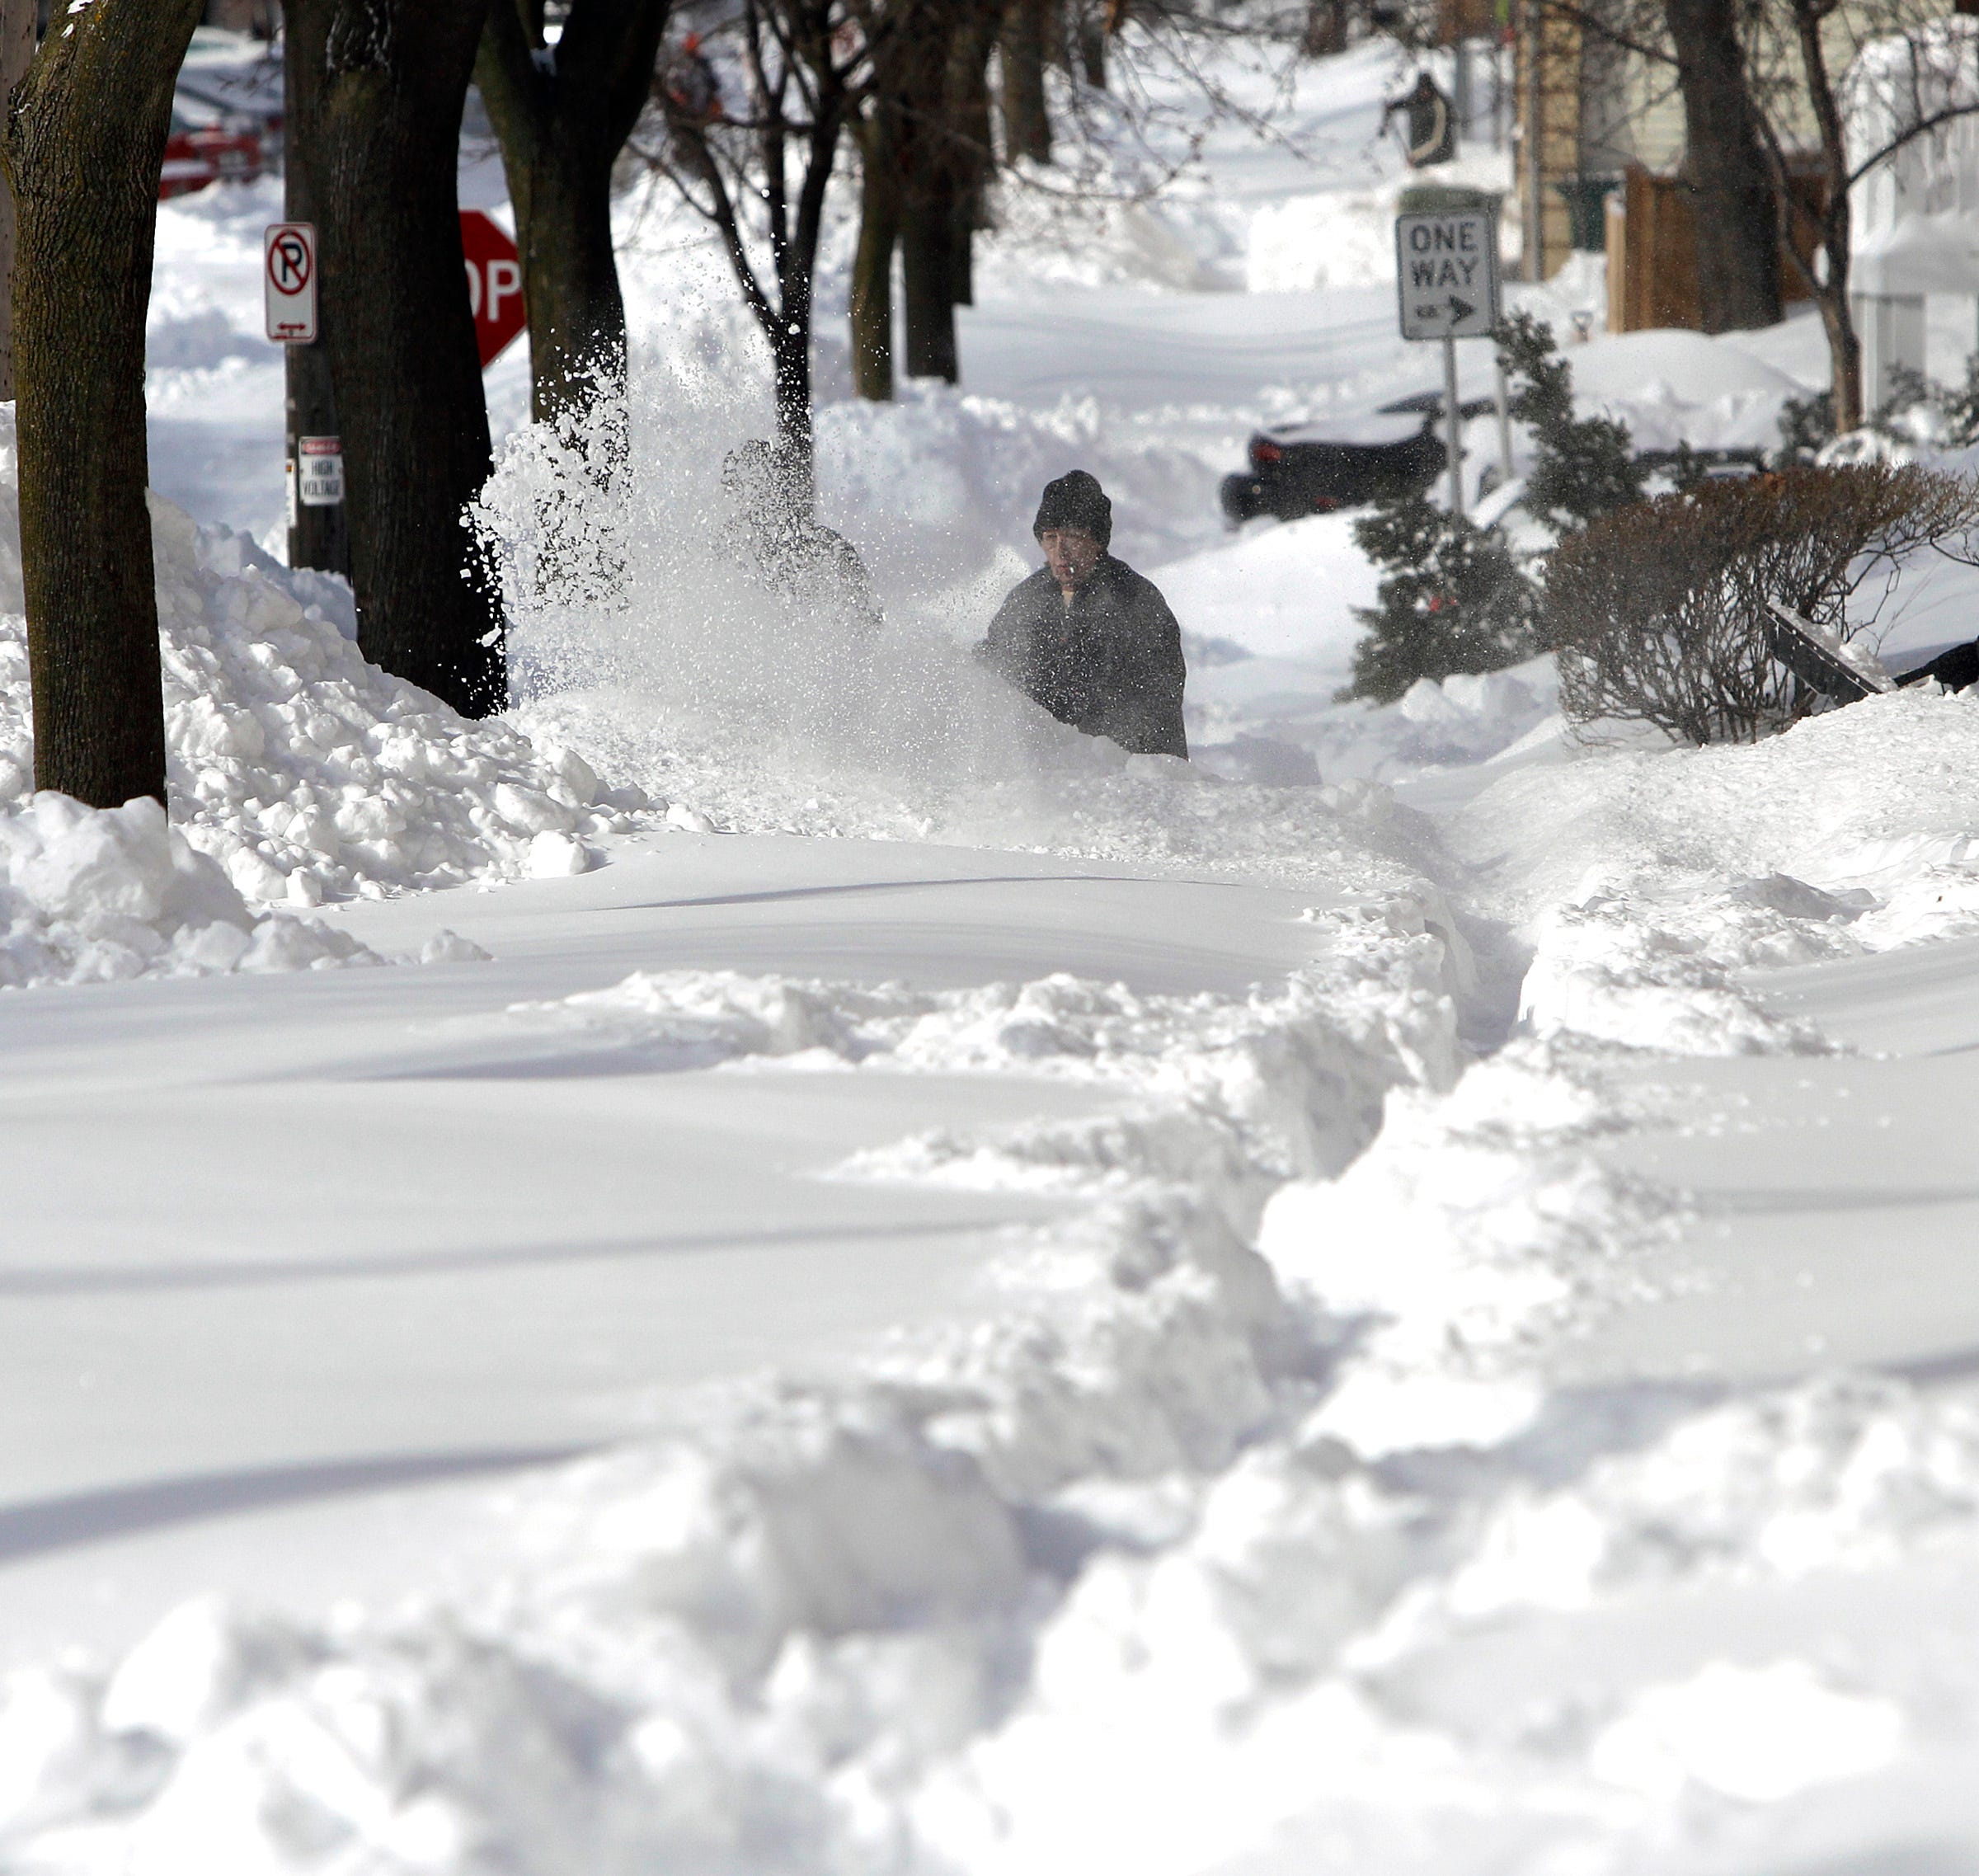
{"type": "Point", "coordinates": [1657, 610]}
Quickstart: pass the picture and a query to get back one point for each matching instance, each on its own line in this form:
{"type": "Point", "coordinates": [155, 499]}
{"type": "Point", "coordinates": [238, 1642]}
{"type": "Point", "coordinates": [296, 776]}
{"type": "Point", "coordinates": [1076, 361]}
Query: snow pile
{"type": "Point", "coordinates": [1479, 1222]}
{"type": "Point", "coordinates": [1848, 1472]}
{"type": "Point", "coordinates": [753, 1645]}
{"type": "Point", "coordinates": [1305, 1664]}
{"type": "Point", "coordinates": [1647, 882]}
{"type": "Point", "coordinates": [1604, 969]}
{"type": "Point", "coordinates": [1467, 717]}
{"type": "Point", "coordinates": [1755, 1735]}
{"type": "Point", "coordinates": [311, 774]}
{"type": "Point", "coordinates": [1295, 1074]}
{"type": "Point", "coordinates": [307, 774]}
{"type": "Point", "coordinates": [1867, 796]}
{"type": "Point", "coordinates": [93, 896]}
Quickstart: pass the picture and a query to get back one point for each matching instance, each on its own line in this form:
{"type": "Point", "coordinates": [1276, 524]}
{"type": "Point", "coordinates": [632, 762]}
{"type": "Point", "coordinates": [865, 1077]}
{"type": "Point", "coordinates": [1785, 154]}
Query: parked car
{"type": "Point", "coordinates": [1719, 464]}
{"type": "Point", "coordinates": [197, 155]}
{"type": "Point", "coordinates": [1345, 462]}
{"type": "Point", "coordinates": [226, 113]}
{"type": "Point", "coordinates": [1313, 469]}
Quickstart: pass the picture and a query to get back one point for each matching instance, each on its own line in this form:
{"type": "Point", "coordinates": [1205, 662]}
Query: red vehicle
{"type": "Point", "coordinates": [197, 154]}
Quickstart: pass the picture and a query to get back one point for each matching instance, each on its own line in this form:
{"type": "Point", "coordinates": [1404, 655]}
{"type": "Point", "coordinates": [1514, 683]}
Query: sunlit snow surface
{"type": "Point", "coordinates": [882, 1288]}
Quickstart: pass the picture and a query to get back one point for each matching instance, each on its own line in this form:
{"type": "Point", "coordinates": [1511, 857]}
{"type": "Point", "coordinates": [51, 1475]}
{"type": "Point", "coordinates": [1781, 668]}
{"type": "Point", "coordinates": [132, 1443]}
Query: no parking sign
{"type": "Point", "coordinates": [494, 263]}
{"type": "Point", "coordinates": [289, 282]}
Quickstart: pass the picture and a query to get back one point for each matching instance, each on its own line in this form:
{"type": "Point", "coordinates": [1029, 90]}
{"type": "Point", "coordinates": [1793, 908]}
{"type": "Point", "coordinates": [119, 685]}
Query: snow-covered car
{"type": "Point", "coordinates": [226, 113]}
{"type": "Point", "coordinates": [1341, 461]}
{"type": "Point", "coordinates": [197, 155]}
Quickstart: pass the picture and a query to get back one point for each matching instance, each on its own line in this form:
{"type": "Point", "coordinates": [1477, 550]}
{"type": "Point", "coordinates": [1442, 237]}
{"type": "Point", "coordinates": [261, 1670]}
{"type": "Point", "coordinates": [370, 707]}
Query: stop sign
{"type": "Point", "coordinates": [494, 284]}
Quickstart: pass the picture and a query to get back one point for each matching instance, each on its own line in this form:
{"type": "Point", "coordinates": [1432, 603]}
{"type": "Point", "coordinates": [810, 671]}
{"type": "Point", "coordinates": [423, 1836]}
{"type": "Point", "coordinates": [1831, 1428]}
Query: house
{"type": "Point", "coordinates": [1915, 229]}
{"type": "Point", "coordinates": [1600, 156]}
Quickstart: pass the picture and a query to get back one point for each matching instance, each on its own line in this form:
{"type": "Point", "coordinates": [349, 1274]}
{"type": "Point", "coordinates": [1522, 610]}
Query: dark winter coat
{"type": "Point", "coordinates": [1111, 664]}
{"type": "Point", "coordinates": [802, 561]}
{"type": "Point", "coordinates": [1432, 130]}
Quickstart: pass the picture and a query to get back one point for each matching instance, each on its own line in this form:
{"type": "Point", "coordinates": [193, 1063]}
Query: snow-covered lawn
{"type": "Point", "coordinates": [776, 1265]}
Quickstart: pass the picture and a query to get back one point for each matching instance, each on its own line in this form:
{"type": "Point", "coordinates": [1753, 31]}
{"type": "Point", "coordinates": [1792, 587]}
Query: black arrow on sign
{"type": "Point", "coordinates": [1459, 310]}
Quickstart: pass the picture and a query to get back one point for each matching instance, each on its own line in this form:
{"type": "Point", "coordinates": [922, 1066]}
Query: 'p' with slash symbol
{"type": "Point", "coordinates": [288, 256]}
{"type": "Point", "coordinates": [289, 260]}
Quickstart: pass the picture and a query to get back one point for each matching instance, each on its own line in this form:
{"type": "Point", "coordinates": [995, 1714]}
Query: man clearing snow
{"type": "Point", "coordinates": [1432, 131]}
{"type": "Point", "coordinates": [1085, 636]}
{"type": "Point", "coordinates": [790, 551]}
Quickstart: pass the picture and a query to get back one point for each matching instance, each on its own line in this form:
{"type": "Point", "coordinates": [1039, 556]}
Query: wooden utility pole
{"type": "Point", "coordinates": [379, 93]}
{"type": "Point", "coordinates": [319, 534]}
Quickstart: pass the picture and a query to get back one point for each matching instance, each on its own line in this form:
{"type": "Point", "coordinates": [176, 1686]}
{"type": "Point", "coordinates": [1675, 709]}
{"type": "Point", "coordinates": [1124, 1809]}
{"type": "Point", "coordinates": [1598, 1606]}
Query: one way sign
{"type": "Point", "coordinates": [1446, 270]}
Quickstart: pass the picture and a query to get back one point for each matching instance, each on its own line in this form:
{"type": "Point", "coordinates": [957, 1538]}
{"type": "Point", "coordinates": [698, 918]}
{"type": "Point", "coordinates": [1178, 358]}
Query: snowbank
{"type": "Point", "coordinates": [755, 1644]}
{"type": "Point", "coordinates": [90, 896]}
{"type": "Point", "coordinates": [305, 773]}
{"type": "Point", "coordinates": [1478, 1223]}
{"type": "Point", "coordinates": [1645, 879]}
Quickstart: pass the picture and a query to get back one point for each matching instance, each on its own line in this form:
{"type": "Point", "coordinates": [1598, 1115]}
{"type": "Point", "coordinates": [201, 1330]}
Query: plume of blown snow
{"type": "Point", "coordinates": [307, 774]}
{"type": "Point", "coordinates": [646, 636]}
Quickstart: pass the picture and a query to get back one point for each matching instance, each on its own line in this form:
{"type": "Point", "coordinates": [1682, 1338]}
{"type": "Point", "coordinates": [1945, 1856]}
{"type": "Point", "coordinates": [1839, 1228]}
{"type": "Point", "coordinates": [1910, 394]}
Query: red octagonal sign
{"type": "Point", "coordinates": [494, 284]}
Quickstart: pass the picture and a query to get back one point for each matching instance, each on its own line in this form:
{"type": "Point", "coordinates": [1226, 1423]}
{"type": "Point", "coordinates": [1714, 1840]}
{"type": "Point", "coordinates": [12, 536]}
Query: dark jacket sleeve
{"type": "Point", "coordinates": [1147, 718]}
{"type": "Point", "coordinates": [1002, 648]}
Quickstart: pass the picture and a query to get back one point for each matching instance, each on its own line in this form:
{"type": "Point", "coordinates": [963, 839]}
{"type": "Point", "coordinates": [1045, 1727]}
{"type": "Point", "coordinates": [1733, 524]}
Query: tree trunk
{"type": "Point", "coordinates": [380, 88]}
{"type": "Point", "coordinates": [1737, 243]}
{"type": "Point", "coordinates": [1325, 29]}
{"type": "Point", "coordinates": [1844, 345]}
{"type": "Point", "coordinates": [16, 53]}
{"type": "Point", "coordinates": [969, 221]}
{"type": "Point", "coordinates": [1092, 35]}
{"type": "Point", "coordinates": [948, 105]}
{"type": "Point", "coordinates": [1058, 45]}
{"type": "Point", "coordinates": [873, 264]}
{"type": "Point", "coordinates": [971, 152]}
{"type": "Point", "coordinates": [1020, 57]}
{"type": "Point", "coordinates": [84, 143]}
{"type": "Point", "coordinates": [928, 269]}
{"type": "Point", "coordinates": [1845, 356]}
{"type": "Point", "coordinates": [790, 363]}
{"type": "Point", "coordinates": [914, 87]}
{"type": "Point", "coordinates": [561, 120]}
{"type": "Point", "coordinates": [561, 193]}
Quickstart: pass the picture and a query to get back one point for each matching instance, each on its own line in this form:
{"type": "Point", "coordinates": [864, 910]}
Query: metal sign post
{"type": "Point", "coordinates": [1452, 428]}
{"type": "Point", "coordinates": [1504, 402]}
{"type": "Point", "coordinates": [1446, 275]}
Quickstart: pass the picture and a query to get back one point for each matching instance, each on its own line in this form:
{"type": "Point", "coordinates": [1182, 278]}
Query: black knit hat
{"type": "Point", "coordinates": [1076, 500]}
